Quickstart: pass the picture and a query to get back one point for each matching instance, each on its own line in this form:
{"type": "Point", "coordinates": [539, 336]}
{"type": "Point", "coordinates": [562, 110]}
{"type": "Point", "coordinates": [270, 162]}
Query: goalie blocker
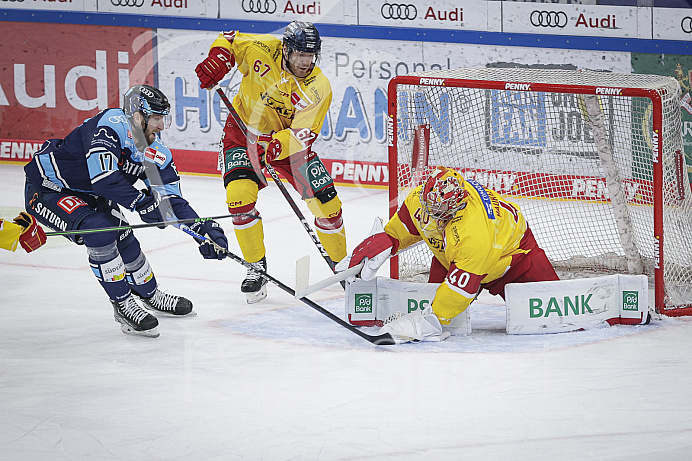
{"type": "Point", "coordinates": [581, 304]}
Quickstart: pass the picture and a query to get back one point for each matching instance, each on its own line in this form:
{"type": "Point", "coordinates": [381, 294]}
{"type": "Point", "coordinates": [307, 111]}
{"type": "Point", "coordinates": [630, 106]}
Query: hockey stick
{"type": "Point", "coordinates": [336, 278]}
{"type": "Point", "coordinates": [154, 224]}
{"type": "Point", "coordinates": [384, 339]}
{"type": "Point", "coordinates": [277, 180]}
{"type": "Point", "coordinates": [254, 160]}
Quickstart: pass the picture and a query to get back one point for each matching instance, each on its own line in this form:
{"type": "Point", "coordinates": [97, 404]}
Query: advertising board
{"type": "Point", "coordinates": [54, 77]}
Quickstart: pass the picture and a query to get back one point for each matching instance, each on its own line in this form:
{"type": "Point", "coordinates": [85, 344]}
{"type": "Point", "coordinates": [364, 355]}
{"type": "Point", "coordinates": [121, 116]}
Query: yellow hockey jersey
{"type": "Point", "coordinates": [271, 100]}
{"type": "Point", "coordinates": [9, 234]}
{"type": "Point", "coordinates": [476, 246]}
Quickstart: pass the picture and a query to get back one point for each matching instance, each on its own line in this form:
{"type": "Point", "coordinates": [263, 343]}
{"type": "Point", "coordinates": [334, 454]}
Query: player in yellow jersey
{"type": "Point", "coordinates": [22, 230]}
{"type": "Point", "coordinates": [283, 100]}
{"type": "Point", "coordinates": [479, 240]}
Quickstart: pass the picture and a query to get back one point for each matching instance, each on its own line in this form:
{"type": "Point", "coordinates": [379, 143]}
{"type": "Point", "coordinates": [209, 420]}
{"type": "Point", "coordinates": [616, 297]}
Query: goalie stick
{"type": "Point", "coordinates": [302, 278]}
{"type": "Point", "coordinates": [258, 171]}
{"type": "Point", "coordinates": [153, 224]}
{"type": "Point", "coordinates": [384, 339]}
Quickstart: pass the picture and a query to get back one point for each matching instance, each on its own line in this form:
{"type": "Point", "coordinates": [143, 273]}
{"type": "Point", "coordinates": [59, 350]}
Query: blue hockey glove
{"type": "Point", "coordinates": [212, 230]}
{"type": "Point", "coordinates": [148, 207]}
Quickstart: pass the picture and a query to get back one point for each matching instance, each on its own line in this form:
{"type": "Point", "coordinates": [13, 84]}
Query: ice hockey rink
{"type": "Point", "coordinates": [278, 380]}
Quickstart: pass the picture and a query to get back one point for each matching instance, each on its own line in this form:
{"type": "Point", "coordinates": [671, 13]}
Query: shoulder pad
{"type": "Point", "coordinates": [118, 122]}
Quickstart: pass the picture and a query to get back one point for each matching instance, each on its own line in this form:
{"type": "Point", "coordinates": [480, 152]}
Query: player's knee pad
{"type": "Point", "coordinates": [241, 197]}
{"type": "Point", "coordinates": [240, 194]}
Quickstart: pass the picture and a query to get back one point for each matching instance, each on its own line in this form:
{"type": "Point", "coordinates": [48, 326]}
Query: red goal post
{"type": "Point", "coordinates": [594, 159]}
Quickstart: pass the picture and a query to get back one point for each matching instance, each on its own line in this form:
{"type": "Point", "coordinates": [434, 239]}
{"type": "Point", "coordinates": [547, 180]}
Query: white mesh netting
{"type": "Point", "coordinates": [579, 162]}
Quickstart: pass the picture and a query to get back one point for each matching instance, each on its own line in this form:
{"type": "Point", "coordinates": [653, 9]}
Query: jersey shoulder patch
{"type": "Point", "coordinates": [116, 120]}
{"type": "Point", "coordinates": [158, 153]}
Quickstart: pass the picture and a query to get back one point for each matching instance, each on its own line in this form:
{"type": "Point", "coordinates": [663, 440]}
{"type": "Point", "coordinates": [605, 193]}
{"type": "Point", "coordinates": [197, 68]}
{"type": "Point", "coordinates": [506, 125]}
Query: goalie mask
{"type": "Point", "coordinates": [148, 101]}
{"type": "Point", "coordinates": [443, 195]}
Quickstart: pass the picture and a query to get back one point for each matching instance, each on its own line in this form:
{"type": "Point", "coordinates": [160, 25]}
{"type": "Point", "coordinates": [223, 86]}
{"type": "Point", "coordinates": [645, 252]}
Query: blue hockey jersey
{"type": "Point", "coordinates": [100, 157]}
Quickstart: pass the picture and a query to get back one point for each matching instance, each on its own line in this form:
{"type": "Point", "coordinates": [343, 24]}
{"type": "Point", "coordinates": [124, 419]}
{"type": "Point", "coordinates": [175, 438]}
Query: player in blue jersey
{"type": "Point", "coordinates": [113, 159]}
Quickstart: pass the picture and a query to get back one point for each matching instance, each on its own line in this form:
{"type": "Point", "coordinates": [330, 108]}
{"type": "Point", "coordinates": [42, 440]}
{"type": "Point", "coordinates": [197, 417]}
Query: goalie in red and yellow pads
{"type": "Point", "coordinates": [479, 240]}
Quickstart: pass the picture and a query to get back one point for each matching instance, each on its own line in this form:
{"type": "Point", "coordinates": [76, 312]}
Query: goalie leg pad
{"type": "Point", "coordinates": [579, 304]}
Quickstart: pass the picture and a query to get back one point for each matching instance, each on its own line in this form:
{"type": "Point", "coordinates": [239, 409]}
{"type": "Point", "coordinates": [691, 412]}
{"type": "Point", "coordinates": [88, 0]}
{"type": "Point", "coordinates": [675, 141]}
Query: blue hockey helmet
{"type": "Point", "coordinates": [302, 36]}
{"type": "Point", "coordinates": [148, 101]}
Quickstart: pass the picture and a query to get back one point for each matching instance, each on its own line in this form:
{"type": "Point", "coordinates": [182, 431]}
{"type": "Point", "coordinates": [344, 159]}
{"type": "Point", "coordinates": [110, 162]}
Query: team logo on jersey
{"type": "Point", "coordinates": [298, 103]}
{"type": "Point", "coordinates": [129, 134]}
{"type": "Point", "coordinates": [155, 156]}
{"type": "Point", "coordinates": [71, 203]}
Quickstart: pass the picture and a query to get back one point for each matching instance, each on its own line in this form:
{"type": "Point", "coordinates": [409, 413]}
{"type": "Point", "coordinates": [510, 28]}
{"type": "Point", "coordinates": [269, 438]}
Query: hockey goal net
{"type": "Point", "coordinates": [594, 159]}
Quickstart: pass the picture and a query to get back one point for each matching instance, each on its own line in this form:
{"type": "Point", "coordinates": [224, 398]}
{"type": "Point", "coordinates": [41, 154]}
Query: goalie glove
{"type": "Point", "coordinates": [416, 327]}
{"type": "Point", "coordinates": [33, 236]}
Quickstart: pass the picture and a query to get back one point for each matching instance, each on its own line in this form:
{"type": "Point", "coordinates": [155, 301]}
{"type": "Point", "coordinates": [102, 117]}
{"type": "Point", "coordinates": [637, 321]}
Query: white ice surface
{"type": "Point", "coordinates": [279, 381]}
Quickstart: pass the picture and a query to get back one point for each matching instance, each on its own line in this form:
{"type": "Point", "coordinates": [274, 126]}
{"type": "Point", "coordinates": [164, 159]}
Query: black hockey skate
{"type": "Point", "coordinates": [255, 286]}
{"type": "Point", "coordinates": [133, 319]}
{"type": "Point", "coordinates": [167, 304]}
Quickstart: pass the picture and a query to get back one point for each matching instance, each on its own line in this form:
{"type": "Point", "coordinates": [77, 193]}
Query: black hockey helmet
{"type": "Point", "coordinates": [147, 100]}
{"type": "Point", "coordinates": [302, 36]}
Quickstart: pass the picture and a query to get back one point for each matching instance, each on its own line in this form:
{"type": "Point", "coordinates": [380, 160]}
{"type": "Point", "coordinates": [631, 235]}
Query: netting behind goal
{"type": "Point", "coordinates": [593, 159]}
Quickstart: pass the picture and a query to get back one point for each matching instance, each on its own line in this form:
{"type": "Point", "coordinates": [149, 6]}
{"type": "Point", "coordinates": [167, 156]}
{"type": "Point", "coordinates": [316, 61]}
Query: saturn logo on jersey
{"type": "Point", "coordinates": [155, 156]}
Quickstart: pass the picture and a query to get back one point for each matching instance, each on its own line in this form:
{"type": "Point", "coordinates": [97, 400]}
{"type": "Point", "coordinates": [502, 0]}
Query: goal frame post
{"type": "Point", "coordinates": [533, 87]}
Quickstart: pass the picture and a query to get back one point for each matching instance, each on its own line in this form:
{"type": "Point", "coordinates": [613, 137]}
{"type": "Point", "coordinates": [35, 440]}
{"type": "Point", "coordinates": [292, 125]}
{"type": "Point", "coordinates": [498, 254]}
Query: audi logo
{"type": "Point", "coordinates": [686, 25]}
{"type": "Point", "coordinates": [136, 3]}
{"type": "Point", "coordinates": [399, 11]}
{"type": "Point", "coordinates": [259, 6]}
{"type": "Point", "coordinates": [548, 18]}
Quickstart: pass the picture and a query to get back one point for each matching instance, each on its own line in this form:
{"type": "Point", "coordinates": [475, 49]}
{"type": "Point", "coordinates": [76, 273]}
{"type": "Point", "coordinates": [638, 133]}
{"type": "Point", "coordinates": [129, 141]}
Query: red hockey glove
{"type": "Point", "coordinates": [377, 249]}
{"type": "Point", "coordinates": [214, 67]}
{"type": "Point", "coordinates": [273, 149]}
{"type": "Point", "coordinates": [33, 236]}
